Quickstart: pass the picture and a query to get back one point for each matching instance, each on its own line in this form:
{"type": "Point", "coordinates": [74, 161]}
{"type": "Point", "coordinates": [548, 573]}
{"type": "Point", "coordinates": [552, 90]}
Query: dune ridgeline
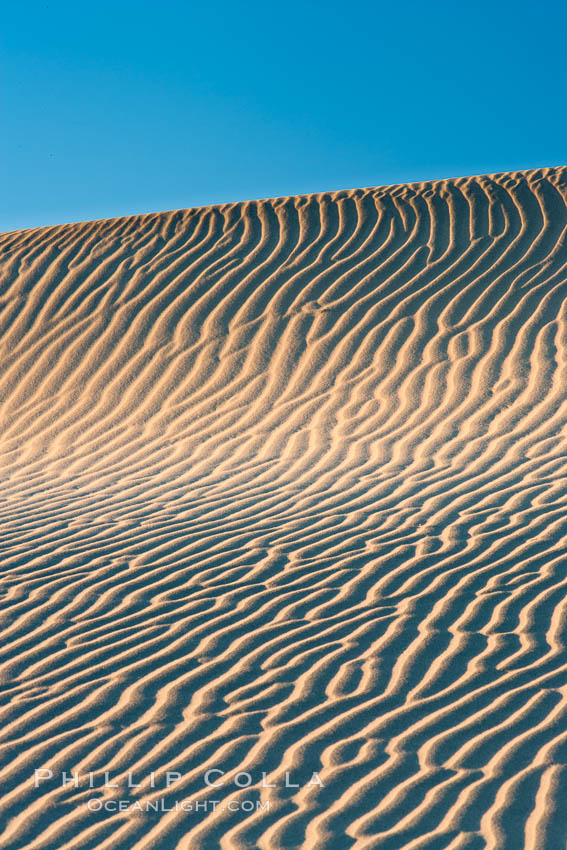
{"type": "Point", "coordinates": [283, 497]}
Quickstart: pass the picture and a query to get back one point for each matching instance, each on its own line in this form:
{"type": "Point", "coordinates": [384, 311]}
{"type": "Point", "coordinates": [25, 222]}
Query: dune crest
{"type": "Point", "coordinates": [283, 492]}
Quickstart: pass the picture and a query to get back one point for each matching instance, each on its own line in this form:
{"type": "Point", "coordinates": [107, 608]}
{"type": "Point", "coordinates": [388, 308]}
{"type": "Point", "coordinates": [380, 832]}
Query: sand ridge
{"type": "Point", "coordinates": [283, 489]}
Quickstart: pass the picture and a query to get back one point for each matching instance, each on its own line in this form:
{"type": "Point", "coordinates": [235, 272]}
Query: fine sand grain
{"type": "Point", "coordinates": [284, 489]}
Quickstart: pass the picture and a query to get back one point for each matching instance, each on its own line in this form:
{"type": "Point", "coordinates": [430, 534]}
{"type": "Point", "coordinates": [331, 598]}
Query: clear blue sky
{"type": "Point", "coordinates": [115, 108]}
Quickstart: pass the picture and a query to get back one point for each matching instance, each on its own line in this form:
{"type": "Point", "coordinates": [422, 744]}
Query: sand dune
{"type": "Point", "coordinates": [284, 489]}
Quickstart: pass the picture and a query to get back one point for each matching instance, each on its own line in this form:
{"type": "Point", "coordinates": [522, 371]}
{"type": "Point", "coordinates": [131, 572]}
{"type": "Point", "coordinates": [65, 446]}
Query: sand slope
{"type": "Point", "coordinates": [284, 488]}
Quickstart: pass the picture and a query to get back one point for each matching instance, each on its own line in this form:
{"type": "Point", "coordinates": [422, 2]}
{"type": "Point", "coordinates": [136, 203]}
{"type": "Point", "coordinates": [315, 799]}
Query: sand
{"type": "Point", "coordinates": [284, 489]}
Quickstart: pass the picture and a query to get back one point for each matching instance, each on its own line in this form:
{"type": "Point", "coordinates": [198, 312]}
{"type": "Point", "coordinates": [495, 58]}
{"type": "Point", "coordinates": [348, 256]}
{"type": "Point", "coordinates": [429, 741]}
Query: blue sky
{"type": "Point", "coordinates": [118, 108]}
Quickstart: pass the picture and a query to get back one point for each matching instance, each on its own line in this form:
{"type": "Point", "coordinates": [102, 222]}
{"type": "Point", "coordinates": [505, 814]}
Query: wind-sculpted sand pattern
{"type": "Point", "coordinates": [284, 489]}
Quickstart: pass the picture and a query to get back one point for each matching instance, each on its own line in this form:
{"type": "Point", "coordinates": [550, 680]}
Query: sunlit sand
{"type": "Point", "coordinates": [284, 490]}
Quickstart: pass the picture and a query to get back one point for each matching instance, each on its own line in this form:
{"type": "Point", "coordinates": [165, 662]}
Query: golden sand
{"type": "Point", "coordinates": [284, 492]}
